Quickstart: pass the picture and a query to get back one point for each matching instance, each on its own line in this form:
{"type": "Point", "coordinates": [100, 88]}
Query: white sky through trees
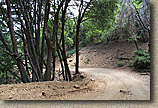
{"type": "Point", "coordinates": [72, 10]}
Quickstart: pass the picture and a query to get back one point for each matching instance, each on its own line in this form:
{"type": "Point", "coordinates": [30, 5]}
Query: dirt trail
{"type": "Point", "coordinates": [99, 84]}
{"type": "Point", "coordinates": [114, 84]}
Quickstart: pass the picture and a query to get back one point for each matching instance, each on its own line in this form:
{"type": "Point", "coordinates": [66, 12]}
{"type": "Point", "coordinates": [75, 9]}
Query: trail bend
{"type": "Point", "coordinates": [115, 84]}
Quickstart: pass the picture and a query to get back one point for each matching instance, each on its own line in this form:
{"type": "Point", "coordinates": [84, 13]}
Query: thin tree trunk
{"type": "Point", "coordinates": [14, 43]}
{"type": "Point", "coordinates": [79, 21]}
{"type": "Point", "coordinates": [77, 47]}
{"type": "Point", "coordinates": [47, 10]}
{"type": "Point", "coordinates": [67, 71]}
{"type": "Point", "coordinates": [61, 62]}
{"type": "Point", "coordinates": [47, 75]}
{"type": "Point", "coordinates": [51, 45]}
{"type": "Point", "coordinates": [53, 67]}
{"type": "Point", "coordinates": [37, 32]}
{"type": "Point", "coordinates": [136, 44]}
{"type": "Point", "coordinates": [25, 54]}
{"type": "Point", "coordinates": [66, 74]}
{"type": "Point", "coordinates": [30, 38]}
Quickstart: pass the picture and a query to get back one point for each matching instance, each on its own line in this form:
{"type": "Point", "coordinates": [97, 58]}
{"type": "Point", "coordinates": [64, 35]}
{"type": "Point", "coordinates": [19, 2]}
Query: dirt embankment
{"type": "Point", "coordinates": [107, 56]}
{"type": "Point", "coordinates": [50, 90]}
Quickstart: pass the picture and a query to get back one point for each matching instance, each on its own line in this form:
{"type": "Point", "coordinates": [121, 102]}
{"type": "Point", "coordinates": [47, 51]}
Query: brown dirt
{"type": "Point", "coordinates": [100, 84]}
{"type": "Point", "coordinates": [106, 56]}
{"type": "Point", "coordinates": [116, 84]}
{"type": "Point", "coordinates": [50, 90]}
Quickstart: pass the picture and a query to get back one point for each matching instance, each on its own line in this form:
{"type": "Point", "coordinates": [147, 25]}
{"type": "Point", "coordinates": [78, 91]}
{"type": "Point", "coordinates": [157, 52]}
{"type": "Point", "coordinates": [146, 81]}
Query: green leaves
{"type": "Point", "coordinates": [69, 41]}
{"type": "Point", "coordinates": [6, 62]}
{"type": "Point", "coordinates": [120, 64]}
{"type": "Point", "coordinates": [103, 12]}
{"type": "Point", "coordinates": [134, 38]}
{"type": "Point", "coordinates": [137, 3]}
{"type": "Point", "coordinates": [141, 59]}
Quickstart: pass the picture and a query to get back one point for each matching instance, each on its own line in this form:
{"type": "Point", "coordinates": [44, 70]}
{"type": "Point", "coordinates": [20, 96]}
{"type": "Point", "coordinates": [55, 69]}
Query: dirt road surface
{"type": "Point", "coordinates": [99, 84]}
{"type": "Point", "coordinates": [114, 84]}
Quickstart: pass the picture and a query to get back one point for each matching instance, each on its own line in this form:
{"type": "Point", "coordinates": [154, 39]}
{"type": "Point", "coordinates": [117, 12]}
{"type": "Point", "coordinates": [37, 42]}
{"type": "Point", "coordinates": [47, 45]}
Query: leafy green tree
{"type": "Point", "coordinates": [100, 21]}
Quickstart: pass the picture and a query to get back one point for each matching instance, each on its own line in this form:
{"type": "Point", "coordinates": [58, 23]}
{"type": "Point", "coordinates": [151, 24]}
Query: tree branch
{"type": "Point", "coordinates": [4, 42]}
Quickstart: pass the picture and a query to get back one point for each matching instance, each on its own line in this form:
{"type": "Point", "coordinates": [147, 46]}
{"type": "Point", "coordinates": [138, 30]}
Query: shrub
{"type": "Point", "coordinates": [71, 52]}
{"type": "Point", "coordinates": [141, 60]}
{"type": "Point", "coordinates": [88, 60]}
{"type": "Point", "coordinates": [120, 64]}
{"type": "Point", "coordinates": [131, 64]}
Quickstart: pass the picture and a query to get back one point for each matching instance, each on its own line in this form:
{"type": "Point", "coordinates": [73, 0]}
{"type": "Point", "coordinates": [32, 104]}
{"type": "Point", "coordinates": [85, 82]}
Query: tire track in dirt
{"type": "Point", "coordinates": [114, 84]}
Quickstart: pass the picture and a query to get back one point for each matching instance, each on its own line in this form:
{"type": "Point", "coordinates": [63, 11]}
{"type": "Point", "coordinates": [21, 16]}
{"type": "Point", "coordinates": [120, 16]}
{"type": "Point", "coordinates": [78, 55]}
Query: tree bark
{"type": "Point", "coordinates": [47, 10]}
{"type": "Point", "coordinates": [51, 44]}
{"type": "Point", "coordinates": [77, 47]}
{"type": "Point", "coordinates": [53, 67]}
{"type": "Point", "coordinates": [67, 71]}
{"type": "Point", "coordinates": [25, 79]}
{"type": "Point", "coordinates": [79, 21]}
{"type": "Point", "coordinates": [58, 51]}
{"type": "Point", "coordinates": [31, 42]}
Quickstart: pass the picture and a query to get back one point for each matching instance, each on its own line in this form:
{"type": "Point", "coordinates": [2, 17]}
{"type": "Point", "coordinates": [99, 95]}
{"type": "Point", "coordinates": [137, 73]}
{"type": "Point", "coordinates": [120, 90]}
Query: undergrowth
{"type": "Point", "coordinates": [141, 59]}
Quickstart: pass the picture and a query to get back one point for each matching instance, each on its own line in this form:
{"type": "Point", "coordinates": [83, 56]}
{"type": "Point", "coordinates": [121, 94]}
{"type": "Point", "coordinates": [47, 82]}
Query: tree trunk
{"type": "Point", "coordinates": [53, 67]}
{"type": "Point", "coordinates": [47, 10]}
{"type": "Point", "coordinates": [136, 44]}
{"type": "Point", "coordinates": [51, 44]}
{"type": "Point", "coordinates": [14, 43]}
{"type": "Point", "coordinates": [61, 62]}
{"type": "Point", "coordinates": [47, 75]}
{"type": "Point", "coordinates": [79, 21]}
{"type": "Point", "coordinates": [77, 47]}
{"type": "Point", "coordinates": [67, 71]}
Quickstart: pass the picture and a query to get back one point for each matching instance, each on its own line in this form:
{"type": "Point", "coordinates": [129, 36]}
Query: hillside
{"type": "Point", "coordinates": [107, 56]}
